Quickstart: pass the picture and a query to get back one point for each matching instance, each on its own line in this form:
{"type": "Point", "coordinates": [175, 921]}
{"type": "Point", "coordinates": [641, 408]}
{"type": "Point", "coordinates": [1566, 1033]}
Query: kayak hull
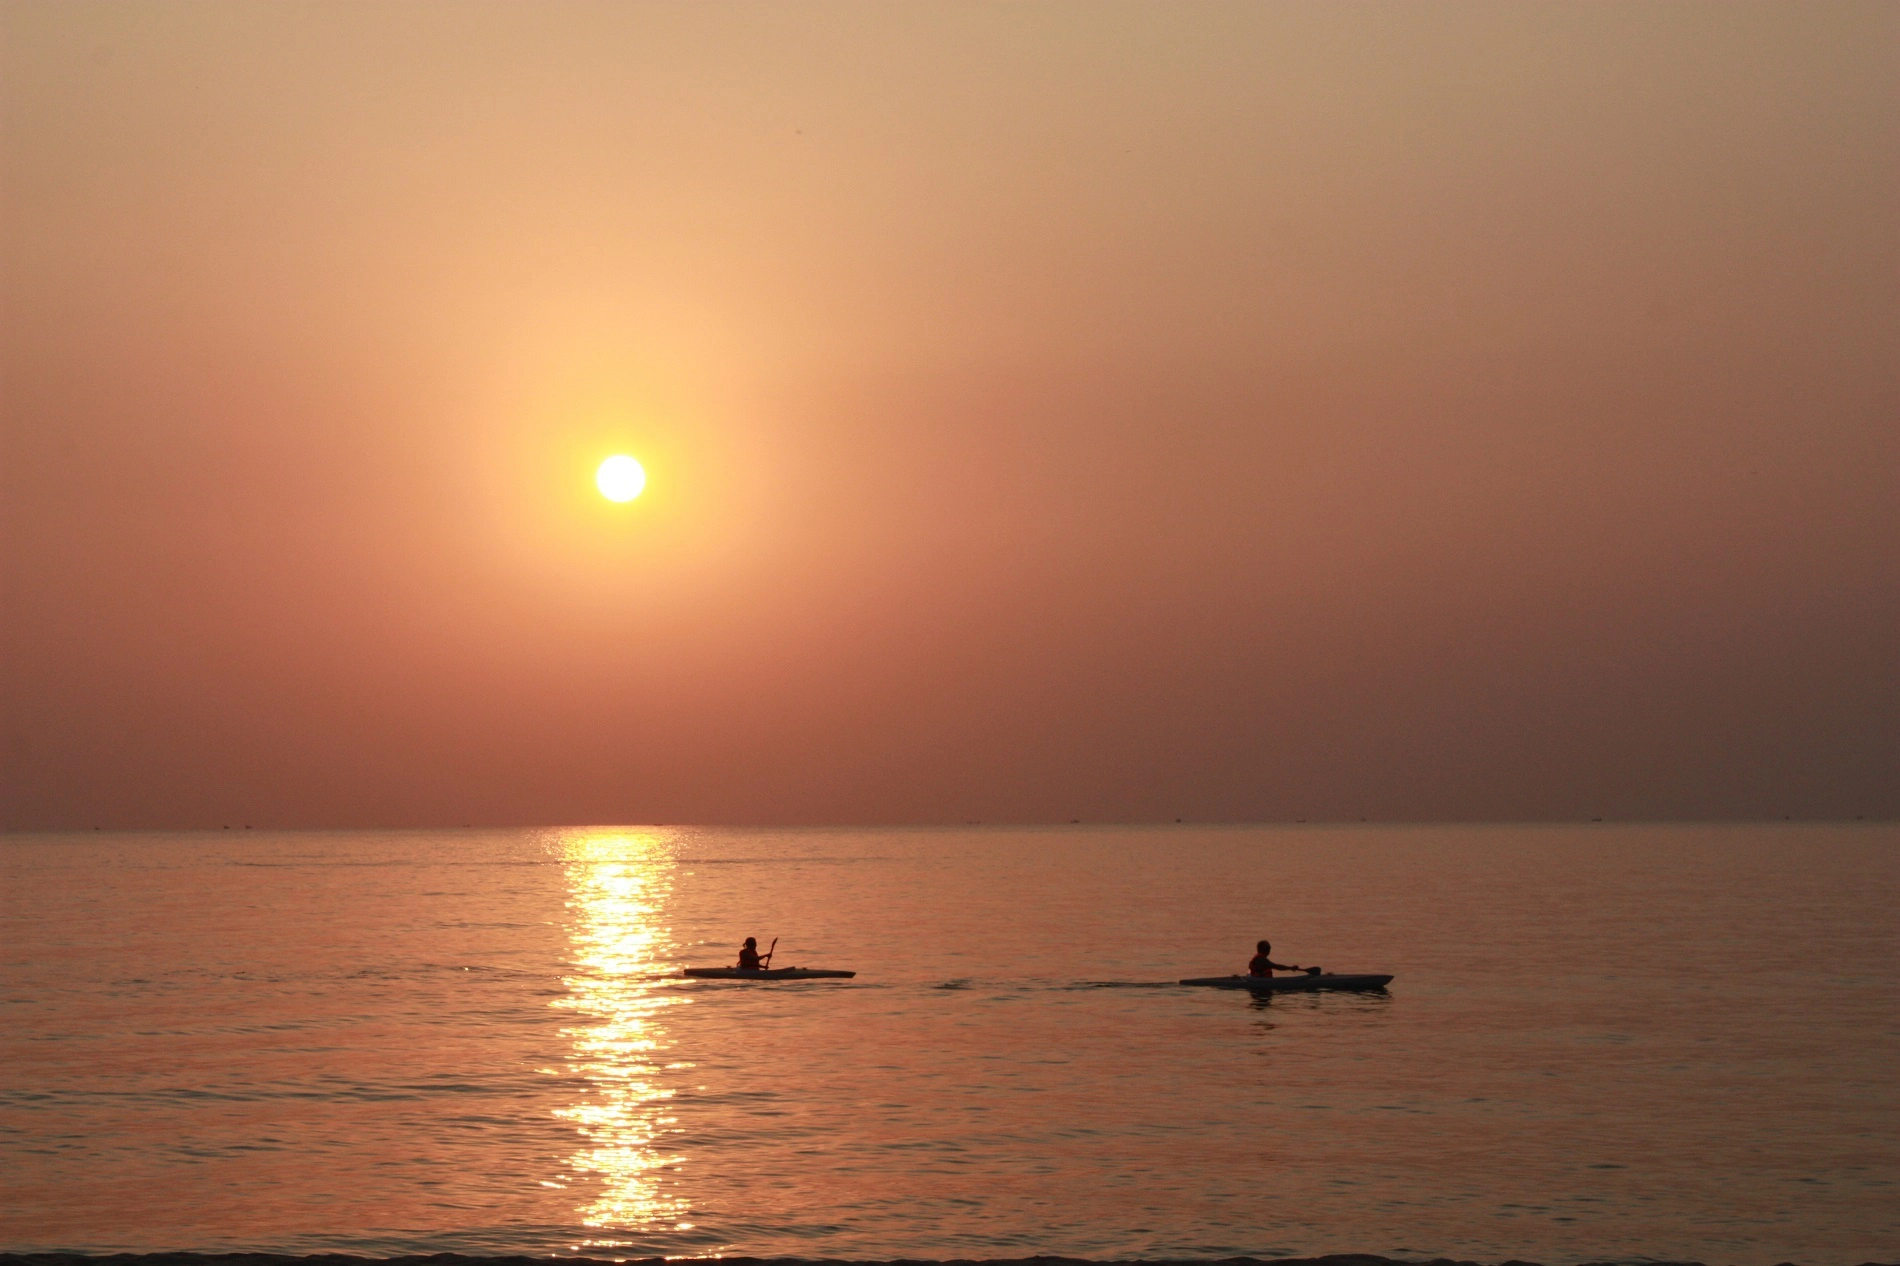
{"type": "Point", "coordinates": [766, 973]}
{"type": "Point", "coordinates": [1294, 984]}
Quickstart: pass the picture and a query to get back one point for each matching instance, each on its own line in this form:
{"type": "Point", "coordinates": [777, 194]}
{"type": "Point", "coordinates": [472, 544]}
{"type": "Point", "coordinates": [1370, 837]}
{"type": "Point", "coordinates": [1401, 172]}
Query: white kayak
{"type": "Point", "coordinates": [1288, 984]}
{"type": "Point", "coordinates": [767, 973]}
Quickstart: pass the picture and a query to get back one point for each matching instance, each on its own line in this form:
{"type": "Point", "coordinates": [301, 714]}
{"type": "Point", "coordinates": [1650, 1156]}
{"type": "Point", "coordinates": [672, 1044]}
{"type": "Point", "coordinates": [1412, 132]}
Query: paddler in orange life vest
{"type": "Point", "coordinates": [1262, 963]}
{"type": "Point", "coordinates": [749, 955]}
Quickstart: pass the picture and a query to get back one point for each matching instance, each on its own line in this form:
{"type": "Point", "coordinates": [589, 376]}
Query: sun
{"type": "Point", "coordinates": [620, 478]}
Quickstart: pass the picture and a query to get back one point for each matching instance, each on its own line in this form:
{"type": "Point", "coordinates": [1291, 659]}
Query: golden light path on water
{"type": "Point", "coordinates": [618, 885]}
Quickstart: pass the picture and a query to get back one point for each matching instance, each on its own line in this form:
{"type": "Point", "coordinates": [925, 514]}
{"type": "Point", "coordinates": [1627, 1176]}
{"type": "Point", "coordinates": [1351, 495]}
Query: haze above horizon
{"type": "Point", "coordinates": [1115, 412]}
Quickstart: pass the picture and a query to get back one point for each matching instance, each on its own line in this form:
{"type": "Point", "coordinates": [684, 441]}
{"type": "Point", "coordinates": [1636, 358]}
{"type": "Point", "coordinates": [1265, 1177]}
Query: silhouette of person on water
{"type": "Point", "coordinates": [1262, 963]}
{"type": "Point", "coordinates": [749, 955]}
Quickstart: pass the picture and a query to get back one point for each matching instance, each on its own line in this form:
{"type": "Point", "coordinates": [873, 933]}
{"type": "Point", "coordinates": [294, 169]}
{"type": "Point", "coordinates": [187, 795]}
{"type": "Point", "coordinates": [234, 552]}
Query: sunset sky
{"type": "Point", "coordinates": [1111, 411]}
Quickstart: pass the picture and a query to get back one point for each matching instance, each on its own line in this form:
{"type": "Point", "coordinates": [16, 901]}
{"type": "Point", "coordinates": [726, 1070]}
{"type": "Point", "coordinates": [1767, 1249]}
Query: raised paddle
{"type": "Point", "coordinates": [772, 951]}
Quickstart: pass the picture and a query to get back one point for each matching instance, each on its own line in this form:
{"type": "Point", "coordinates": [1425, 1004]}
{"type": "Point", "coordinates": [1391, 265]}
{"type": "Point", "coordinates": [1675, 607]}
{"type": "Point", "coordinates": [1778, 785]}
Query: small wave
{"type": "Point", "coordinates": [776, 861]}
{"type": "Point", "coordinates": [1121, 984]}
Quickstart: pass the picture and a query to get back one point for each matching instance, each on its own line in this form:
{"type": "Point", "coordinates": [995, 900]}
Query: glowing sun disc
{"type": "Point", "coordinates": [620, 479]}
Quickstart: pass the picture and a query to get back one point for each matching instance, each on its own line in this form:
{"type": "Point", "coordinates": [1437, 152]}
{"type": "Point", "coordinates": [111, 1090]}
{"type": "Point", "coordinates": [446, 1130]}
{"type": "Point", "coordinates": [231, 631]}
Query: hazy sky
{"type": "Point", "coordinates": [1107, 411]}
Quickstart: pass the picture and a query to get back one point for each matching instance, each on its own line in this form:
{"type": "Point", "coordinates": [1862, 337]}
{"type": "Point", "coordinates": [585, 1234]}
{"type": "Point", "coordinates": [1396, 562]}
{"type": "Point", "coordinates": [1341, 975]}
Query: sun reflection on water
{"type": "Point", "coordinates": [618, 886]}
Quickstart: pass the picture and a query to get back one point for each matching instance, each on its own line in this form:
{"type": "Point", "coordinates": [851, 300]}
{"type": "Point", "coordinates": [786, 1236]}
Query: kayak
{"type": "Point", "coordinates": [767, 973]}
{"type": "Point", "coordinates": [1289, 984]}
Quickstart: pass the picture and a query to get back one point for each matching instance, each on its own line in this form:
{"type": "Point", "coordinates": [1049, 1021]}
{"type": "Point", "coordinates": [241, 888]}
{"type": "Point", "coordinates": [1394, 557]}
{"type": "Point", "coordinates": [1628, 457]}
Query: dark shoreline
{"type": "Point", "coordinates": [464, 1259]}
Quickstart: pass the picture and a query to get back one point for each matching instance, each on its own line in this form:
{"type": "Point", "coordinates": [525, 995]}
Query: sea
{"type": "Point", "coordinates": [1602, 1042]}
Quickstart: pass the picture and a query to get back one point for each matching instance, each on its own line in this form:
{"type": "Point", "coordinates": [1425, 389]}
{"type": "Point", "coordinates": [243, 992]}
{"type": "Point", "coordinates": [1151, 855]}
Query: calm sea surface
{"type": "Point", "coordinates": [1603, 1042]}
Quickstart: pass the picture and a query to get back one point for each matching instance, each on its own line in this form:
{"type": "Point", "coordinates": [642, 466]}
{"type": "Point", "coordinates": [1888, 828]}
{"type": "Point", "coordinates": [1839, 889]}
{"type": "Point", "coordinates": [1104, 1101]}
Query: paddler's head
{"type": "Point", "coordinates": [1265, 947]}
{"type": "Point", "coordinates": [752, 942]}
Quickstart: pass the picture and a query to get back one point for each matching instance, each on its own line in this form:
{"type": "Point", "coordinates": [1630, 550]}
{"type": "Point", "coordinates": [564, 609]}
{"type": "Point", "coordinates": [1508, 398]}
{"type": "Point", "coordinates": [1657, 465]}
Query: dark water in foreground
{"type": "Point", "coordinates": [1603, 1042]}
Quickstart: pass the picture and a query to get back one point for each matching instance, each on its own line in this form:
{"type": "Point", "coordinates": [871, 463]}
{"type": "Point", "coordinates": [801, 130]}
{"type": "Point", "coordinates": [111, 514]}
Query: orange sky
{"type": "Point", "coordinates": [1106, 411]}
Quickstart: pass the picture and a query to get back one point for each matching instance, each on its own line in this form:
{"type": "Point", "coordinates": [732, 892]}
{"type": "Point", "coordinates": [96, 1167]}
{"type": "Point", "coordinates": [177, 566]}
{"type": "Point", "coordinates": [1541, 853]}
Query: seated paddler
{"type": "Point", "coordinates": [749, 955]}
{"type": "Point", "coordinates": [1262, 963]}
